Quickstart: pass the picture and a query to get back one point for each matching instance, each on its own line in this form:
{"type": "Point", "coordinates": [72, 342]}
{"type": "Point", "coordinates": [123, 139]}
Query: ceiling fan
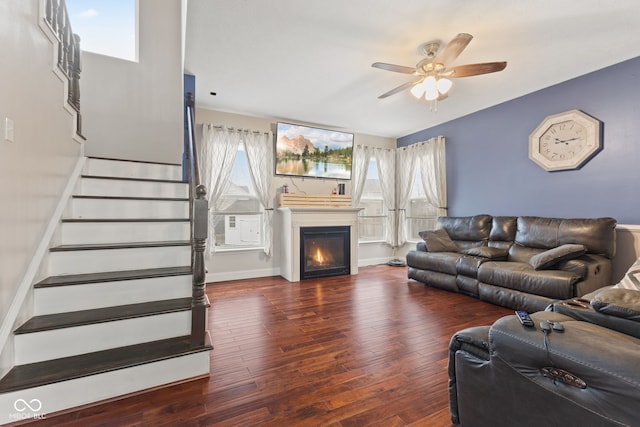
{"type": "Point", "coordinates": [431, 74]}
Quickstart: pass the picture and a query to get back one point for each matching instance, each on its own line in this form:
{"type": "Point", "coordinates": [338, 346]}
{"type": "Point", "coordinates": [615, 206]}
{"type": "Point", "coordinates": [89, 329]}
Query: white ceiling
{"type": "Point", "coordinates": [309, 61]}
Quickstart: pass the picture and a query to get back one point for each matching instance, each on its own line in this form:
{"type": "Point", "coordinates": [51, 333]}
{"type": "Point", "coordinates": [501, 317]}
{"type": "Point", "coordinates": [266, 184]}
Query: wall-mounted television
{"type": "Point", "coordinates": [312, 152]}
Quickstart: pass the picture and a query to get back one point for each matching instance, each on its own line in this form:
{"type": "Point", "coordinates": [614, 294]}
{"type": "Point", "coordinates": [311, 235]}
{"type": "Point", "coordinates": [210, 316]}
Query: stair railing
{"type": "Point", "coordinates": [199, 217]}
{"type": "Point", "coordinates": [57, 16]}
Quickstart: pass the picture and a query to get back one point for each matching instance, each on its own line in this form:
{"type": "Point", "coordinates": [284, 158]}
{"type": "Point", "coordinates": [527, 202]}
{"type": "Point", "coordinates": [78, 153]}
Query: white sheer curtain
{"type": "Point", "coordinates": [361, 159]}
{"type": "Point", "coordinates": [386, 160]}
{"type": "Point", "coordinates": [217, 154]}
{"type": "Point", "coordinates": [434, 172]}
{"type": "Point", "coordinates": [405, 171]}
{"type": "Point", "coordinates": [259, 147]}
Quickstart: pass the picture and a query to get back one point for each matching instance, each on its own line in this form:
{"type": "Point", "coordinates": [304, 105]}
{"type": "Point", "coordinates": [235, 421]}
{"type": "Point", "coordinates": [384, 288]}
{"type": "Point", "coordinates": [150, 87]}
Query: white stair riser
{"type": "Point", "coordinates": [126, 209]}
{"type": "Point", "coordinates": [123, 169]}
{"type": "Point", "coordinates": [74, 233]}
{"type": "Point", "coordinates": [82, 391]}
{"type": "Point", "coordinates": [61, 299]}
{"type": "Point", "coordinates": [46, 345]}
{"type": "Point", "coordinates": [94, 261]}
{"type": "Point", "coordinates": [127, 188]}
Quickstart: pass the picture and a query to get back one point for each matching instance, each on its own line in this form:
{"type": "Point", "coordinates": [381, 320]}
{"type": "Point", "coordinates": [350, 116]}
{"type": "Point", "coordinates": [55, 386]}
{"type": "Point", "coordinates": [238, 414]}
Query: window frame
{"type": "Point", "coordinates": [219, 216]}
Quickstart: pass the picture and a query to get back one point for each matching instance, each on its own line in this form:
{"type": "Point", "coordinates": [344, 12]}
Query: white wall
{"type": "Point", "coordinates": [245, 264]}
{"type": "Point", "coordinates": [627, 249]}
{"type": "Point", "coordinates": [36, 167]}
{"type": "Point", "coordinates": [134, 110]}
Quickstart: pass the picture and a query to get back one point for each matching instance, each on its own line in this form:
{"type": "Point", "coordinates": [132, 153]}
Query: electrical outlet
{"type": "Point", "coordinates": [8, 129]}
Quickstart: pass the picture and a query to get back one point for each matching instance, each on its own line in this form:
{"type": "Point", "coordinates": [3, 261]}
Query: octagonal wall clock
{"type": "Point", "coordinates": [565, 141]}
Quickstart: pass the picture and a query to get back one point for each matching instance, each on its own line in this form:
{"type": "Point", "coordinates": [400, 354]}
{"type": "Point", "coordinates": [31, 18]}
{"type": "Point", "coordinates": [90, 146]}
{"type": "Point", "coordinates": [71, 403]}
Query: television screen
{"type": "Point", "coordinates": [312, 152]}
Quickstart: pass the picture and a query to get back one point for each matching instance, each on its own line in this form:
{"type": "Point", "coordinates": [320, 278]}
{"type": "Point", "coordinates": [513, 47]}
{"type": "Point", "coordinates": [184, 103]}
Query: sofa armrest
{"type": "Point", "coordinates": [471, 340]}
{"type": "Point", "coordinates": [581, 309]}
{"type": "Point", "coordinates": [595, 270]}
{"type": "Point", "coordinates": [421, 246]}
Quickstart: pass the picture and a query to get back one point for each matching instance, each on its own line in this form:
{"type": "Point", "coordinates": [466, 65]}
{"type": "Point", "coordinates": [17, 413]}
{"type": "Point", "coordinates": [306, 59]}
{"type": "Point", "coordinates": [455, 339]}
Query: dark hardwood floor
{"type": "Point", "coordinates": [363, 350]}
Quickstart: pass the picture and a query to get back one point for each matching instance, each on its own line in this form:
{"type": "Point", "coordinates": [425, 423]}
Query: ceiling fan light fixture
{"type": "Point", "coordinates": [417, 90]}
{"type": "Point", "coordinates": [430, 88]}
{"type": "Point", "coordinates": [444, 85]}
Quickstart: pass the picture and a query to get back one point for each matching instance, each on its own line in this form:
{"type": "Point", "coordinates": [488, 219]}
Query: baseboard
{"type": "Point", "coordinates": [268, 272]}
{"type": "Point", "coordinates": [9, 320]}
{"type": "Point", "coordinates": [241, 275]}
{"type": "Point", "coordinates": [375, 261]}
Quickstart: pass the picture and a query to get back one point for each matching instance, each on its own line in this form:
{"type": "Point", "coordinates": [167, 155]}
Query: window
{"type": "Point", "coordinates": [107, 27]}
{"type": "Point", "coordinates": [420, 214]}
{"type": "Point", "coordinates": [372, 218]}
{"type": "Point", "coordinates": [238, 221]}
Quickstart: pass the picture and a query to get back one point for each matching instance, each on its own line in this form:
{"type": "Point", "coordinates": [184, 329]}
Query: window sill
{"type": "Point", "coordinates": [364, 242]}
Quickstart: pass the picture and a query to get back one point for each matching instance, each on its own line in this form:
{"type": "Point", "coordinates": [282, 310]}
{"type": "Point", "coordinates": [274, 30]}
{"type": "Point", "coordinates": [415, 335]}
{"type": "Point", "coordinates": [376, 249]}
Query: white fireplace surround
{"type": "Point", "coordinates": [292, 219]}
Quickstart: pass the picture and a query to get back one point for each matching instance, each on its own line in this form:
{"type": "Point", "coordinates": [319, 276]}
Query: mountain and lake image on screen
{"type": "Point", "coordinates": [313, 152]}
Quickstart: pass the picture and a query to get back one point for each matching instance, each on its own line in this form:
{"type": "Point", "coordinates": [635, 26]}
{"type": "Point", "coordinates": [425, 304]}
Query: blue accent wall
{"type": "Point", "coordinates": [488, 166]}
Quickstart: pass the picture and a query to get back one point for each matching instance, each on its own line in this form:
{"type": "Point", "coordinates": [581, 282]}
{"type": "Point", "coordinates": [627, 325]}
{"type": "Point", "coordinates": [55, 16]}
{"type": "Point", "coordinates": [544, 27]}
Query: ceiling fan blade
{"type": "Point", "coordinates": [400, 88]}
{"type": "Point", "coordinates": [394, 68]}
{"type": "Point", "coordinates": [453, 49]}
{"type": "Point", "coordinates": [477, 69]}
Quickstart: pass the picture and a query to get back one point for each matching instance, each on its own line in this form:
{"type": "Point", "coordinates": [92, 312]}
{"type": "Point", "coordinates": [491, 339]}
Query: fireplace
{"type": "Point", "coordinates": [290, 220]}
{"type": "Point", "coordinates": [324, 251]}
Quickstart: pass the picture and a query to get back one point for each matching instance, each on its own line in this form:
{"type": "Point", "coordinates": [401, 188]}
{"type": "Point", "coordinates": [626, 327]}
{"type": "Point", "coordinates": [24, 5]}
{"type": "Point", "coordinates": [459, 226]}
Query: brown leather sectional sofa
{"type": "Point", "coordinates": [518, 262]}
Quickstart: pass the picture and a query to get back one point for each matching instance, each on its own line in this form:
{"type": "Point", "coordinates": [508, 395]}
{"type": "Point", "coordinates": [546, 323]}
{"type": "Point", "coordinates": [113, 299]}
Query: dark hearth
{"type": "Point", "coordinates": [324, 251]}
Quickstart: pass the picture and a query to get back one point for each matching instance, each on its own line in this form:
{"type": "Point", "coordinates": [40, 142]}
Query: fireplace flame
{"type": "Point", "coordinates": [319, 258]}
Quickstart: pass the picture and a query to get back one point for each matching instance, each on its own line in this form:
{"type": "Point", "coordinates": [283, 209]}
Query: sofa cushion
{"type": "Point", "coordinates": [519, 253]}
{"type": "Point", "coordinates": [438, 241]}
{"type": "Point", "coordinates": [631, 279]}
{"type": "Point", "coordinates": [522, 277]}
{"type": "Point", "coordinates": [618, 302]}
{"type": "Point", "coordinates": [443, 262]}
{"type": "Point", "coordinates": [597, 234]}
{"type": "Point", "coordinates": [503, 228]}
{"type": "Point", "coordinates": [487, 252]}
{"type": "Point", "coordinates": [476, 228]}
{"type": "Point", "coordinates": [551, 257]}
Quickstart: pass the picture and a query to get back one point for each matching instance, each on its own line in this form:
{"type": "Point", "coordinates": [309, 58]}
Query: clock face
{"type": "Point", "coordinates": [565, 141]}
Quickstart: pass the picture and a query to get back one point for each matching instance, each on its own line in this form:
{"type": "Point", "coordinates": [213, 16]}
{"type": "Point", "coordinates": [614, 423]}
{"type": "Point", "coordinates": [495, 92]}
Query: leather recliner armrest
{"type": "Point", "coordinates": [473, 340]}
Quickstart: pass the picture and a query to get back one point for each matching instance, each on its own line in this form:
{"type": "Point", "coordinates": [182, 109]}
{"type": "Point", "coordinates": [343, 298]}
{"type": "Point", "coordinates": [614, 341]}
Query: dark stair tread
{"type": "Point", "coordinates": [111, 276]}
{"type": "Point", "coordinates": [128, 245]}
{"type": "Point", "coordinates": [161, 199]}
{"type": "Point", "coordinates": [87, 220]}
{"type": "Point", "coordinates": [126, 178]}
{"type": "Point", "coordinates": [134, 161]}
{"type": "Point", "coordinates": [68, 368]}
{"type": "Point", "coordinates": [50, 322]}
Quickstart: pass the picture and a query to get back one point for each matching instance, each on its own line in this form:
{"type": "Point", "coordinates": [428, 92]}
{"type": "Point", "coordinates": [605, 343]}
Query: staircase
{"type": "Point", "coordinates": [113, 314]}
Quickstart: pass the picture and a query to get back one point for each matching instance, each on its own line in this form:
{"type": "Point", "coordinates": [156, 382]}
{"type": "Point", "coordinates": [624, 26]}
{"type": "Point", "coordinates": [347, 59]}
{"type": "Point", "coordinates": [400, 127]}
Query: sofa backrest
{"type": "Point", "coordinates": [531, 234]}
{"type": "Point", "coordinates": [598, 235]}
{"type": "Point", "coordinates": [503, 231]}
{"type": "Point", "coordinates": [467, 231]}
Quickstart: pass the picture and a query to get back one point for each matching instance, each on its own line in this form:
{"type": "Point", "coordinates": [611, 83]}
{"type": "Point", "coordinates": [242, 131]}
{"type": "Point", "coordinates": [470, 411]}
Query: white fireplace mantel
{"type": "Point", "coordinates": [292, 219]}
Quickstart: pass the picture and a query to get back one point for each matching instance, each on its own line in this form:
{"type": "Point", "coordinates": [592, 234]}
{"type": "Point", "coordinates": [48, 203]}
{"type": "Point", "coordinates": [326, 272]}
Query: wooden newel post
{"type": "Point", "coordinates": [199, 301]}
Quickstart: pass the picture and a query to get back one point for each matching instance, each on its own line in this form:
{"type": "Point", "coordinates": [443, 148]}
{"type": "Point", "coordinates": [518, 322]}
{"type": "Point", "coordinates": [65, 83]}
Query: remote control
{"type": "Point", "coordinates": [557, 326]}
{"type": "Point", "coordinates": [546, 327]}
{"type": "Point", "coordinates": [524, 318]}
